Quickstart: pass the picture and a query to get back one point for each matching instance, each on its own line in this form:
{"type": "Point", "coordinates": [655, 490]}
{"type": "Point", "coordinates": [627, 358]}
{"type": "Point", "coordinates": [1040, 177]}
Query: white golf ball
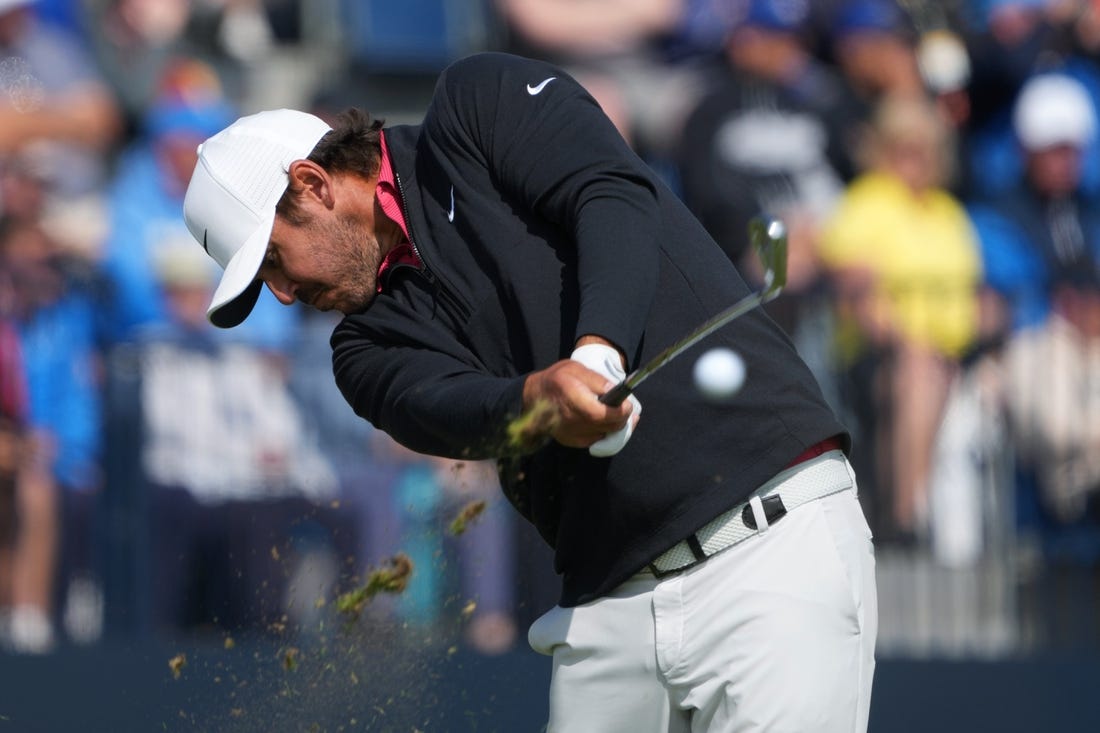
{"type": "Point", "coordinates": [719, 373]}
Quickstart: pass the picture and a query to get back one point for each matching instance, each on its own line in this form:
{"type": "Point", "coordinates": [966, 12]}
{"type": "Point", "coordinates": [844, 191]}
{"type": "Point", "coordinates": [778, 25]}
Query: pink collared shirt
{"type": "Point", "coordinates": [389, 199]}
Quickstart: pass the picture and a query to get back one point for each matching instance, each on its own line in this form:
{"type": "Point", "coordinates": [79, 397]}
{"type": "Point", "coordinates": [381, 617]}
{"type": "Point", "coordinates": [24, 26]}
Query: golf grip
{"type": "Point", "coordinates": [616, 395]}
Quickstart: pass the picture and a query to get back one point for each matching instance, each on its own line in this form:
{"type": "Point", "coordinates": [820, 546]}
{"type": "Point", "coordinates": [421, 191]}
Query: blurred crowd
{"type": "Point", "coordinates": [936, 162]}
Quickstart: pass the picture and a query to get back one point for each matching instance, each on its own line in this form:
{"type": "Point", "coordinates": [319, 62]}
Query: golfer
{"type": "Point", "coordinates": [500, 266]}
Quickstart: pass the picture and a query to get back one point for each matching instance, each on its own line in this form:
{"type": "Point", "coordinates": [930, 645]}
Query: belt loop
{"type": "Point", "coordinates": [696, 547]}
{"type": "Point", "coordinates": [852, 475]}
{"type": "Point", "coordinates": [758, 514]}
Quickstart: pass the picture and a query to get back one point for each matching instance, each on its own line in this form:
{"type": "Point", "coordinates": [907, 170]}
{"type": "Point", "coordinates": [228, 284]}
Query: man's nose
{"type": "Point", "coordinates": [283, 288]}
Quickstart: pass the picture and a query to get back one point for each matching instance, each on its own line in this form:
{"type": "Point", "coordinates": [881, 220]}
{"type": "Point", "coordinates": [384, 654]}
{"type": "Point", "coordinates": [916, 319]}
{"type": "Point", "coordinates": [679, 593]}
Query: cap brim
{"type": "Point", "coordinates": [235, 311]}
{"type": "Point", "coordinates": [239, 287]}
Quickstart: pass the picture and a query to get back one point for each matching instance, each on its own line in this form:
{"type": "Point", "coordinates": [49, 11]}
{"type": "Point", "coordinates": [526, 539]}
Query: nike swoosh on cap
{"type": "Point", "coordinates": [204, 231]}
{"type": "Point", "coordinates": [533, 90]}
{"type": "Point", "coordinates": [451, 213]}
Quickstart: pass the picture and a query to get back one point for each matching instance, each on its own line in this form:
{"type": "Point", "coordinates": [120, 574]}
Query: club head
{"type": "Point", "coordinates": [768, 236]}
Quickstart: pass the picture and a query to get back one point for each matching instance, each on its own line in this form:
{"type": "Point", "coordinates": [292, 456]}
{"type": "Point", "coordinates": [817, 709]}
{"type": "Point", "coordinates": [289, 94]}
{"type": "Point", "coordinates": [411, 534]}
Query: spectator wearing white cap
{"type": "Point", "coordinates": [1049, 218]}
{"type": "Point", "coordinates": [1008, 43]}
{"type": "Point", "coordinates": [1055, 122]}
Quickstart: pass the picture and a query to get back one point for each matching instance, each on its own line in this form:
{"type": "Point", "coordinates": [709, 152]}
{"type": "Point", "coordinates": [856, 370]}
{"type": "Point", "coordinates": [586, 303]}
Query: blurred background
{"type": "Point", "coordinates": [190, 507]}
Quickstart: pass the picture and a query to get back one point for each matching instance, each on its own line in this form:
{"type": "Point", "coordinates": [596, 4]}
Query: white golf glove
{"type": "Point", "coordinates": [606, 361]}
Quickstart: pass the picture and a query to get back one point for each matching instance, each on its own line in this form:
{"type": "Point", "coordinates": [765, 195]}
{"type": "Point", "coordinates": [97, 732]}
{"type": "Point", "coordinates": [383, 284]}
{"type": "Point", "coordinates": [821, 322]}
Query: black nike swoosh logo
{"type": "Point", "coordinates": [204, 231]}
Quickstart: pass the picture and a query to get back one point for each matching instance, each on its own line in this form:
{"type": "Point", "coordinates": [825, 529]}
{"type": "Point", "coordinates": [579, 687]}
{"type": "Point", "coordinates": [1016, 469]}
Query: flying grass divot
{"type": "Point", "coordinates": [530, 428]}
{"type": "Point", "coordinates": [466, 516]}
{"type": "Point", "coordinates": [291, 657]}
{"type": "Point", "coordinates": [391, 579]}
{"type": "Point", "coordinates": [176, 664]}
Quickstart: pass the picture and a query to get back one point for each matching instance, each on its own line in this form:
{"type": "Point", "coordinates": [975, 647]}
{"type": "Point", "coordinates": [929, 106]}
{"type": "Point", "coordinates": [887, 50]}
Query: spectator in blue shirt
{"type": "Point", "coordinates": [145, 204]}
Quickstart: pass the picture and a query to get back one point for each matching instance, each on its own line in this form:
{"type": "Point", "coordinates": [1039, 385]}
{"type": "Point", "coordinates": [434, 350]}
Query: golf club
{"type": "Point", "coordinates": [768, 237]}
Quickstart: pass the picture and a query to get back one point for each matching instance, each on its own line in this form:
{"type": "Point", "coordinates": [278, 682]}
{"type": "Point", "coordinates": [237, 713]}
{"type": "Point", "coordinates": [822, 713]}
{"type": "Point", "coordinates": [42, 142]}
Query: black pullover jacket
{"type": "Point", "coordinates": [537, 224]}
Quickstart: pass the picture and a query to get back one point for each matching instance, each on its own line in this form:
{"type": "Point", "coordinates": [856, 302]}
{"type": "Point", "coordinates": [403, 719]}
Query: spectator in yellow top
{"type": "Point", "coordinates": [905, 263]}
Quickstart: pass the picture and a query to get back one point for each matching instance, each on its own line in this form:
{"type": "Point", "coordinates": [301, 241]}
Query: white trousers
{"type": "Point", "coordinates": [775, 633]}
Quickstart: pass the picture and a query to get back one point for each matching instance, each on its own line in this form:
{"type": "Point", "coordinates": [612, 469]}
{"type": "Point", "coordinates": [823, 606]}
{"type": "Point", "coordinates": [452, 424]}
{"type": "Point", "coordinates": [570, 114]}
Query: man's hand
{"type": "Point", "coordinates": [564, 402]}
{"type": "Point", "coordinates": [606, 360]}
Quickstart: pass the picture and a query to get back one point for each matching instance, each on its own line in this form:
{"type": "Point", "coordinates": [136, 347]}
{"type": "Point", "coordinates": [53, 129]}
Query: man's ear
{"type": "Point", "coordinates": [312, 181]}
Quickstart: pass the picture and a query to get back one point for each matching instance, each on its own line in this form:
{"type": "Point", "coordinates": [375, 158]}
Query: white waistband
{"type": "Point", "coordinates": [820, 476]}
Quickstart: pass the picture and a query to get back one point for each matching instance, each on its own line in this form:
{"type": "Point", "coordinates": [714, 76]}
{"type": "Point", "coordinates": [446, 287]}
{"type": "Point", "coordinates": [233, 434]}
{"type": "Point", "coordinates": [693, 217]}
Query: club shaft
{"type": "Point", "coordinates": [617, 394]}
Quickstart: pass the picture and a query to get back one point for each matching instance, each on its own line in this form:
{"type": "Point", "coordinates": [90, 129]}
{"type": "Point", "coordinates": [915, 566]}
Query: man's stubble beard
{"type": "Point", "coordinates": [353, 265]}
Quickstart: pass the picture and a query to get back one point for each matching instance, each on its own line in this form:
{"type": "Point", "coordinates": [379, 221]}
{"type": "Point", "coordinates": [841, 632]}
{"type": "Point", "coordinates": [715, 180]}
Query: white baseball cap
{"type": "Point", "coordinates": [241, 174]}
{"type": "Point", "coordinates": [1054, 109]}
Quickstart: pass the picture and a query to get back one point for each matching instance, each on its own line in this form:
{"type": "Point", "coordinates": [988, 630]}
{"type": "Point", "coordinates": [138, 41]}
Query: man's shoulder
{"type": "Point", "coordinates": [490, 64]}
